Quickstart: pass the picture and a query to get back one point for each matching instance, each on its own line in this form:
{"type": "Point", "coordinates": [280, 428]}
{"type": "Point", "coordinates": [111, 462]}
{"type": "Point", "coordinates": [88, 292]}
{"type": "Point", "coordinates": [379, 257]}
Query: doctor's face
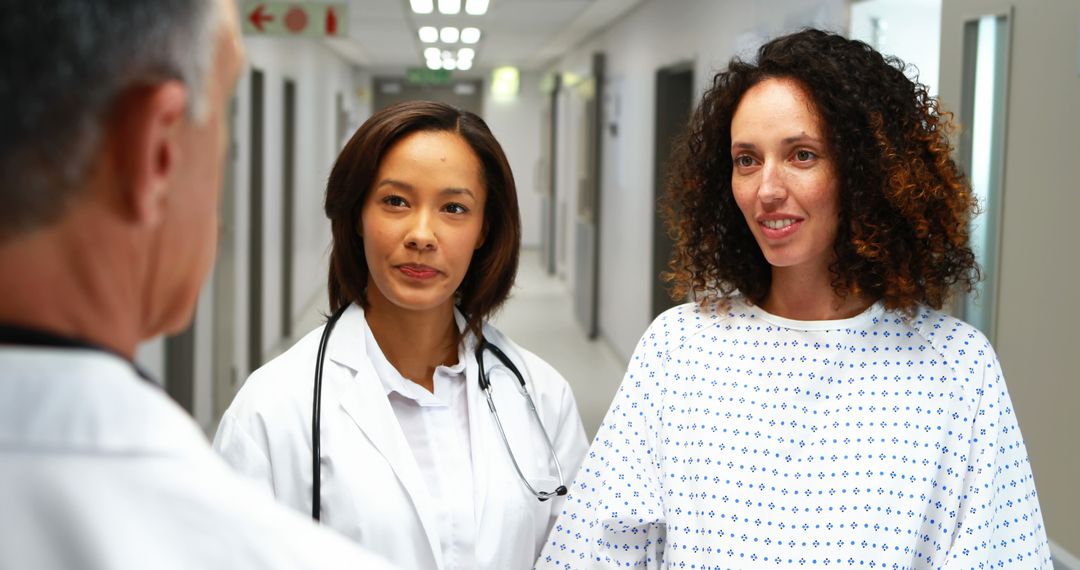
{"type": "Point", "coordinates": [422, 220]}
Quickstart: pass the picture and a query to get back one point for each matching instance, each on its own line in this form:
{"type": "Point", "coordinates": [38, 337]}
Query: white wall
{"type": "Point", "coordinates": [911, 30]}
{"type": "Point", "coordinates": [516, 124]}
{"type": "Point", "coordinates": [319, 74]}
{"type": "Point", "coordinates": [656, 34]}
{"type": "Point", "coordinates": [1037, 307]}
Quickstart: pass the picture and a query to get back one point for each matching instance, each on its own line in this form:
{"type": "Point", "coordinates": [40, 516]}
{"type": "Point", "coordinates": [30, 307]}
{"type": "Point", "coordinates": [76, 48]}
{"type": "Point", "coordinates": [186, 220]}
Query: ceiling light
{"type": "Point", "coordinates": [466, 53]}
{"type": "Point", "coordinates": [421, 6]}
{"type": "Point", "coordinates": [434, 64]}
{"type": "Point", "coordinates": [476, 7]}
{"type": "Point", "coordinates": [505, 82]}
{"type": "Point", "coordinates": [449, 35]}
{"type": "Point", "coordinates": [464, 64]}
{"type": "Point", "coordinates": [432, 53]}
{"type": "Point", "coordinates": [470, 35]}
{"type": "Point", "coordinates": [449, 6]}
{"type": "Point", "coordinates": [429, 35]}
{"type": "Point", "coordinates": [449, 64]}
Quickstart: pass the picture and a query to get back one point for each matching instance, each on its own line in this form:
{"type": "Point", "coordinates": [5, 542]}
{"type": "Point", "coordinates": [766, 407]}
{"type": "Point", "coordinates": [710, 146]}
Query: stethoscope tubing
{"type": "Point", "coordinates": [485, 385]}
{"type": "Point", "coordinates": [316, 413]}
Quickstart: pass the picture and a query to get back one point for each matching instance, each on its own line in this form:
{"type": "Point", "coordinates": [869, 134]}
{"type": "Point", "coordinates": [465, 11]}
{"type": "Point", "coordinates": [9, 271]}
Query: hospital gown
{"type": "Point", "coordinates": [740, 439]}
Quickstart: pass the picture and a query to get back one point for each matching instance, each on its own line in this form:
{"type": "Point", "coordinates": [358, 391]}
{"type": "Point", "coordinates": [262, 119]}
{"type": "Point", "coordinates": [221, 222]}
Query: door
{"type": "Point", "coordinates": [548, 151]}
{"type": "Point", "coordinates": [223, 367]}
{"type": "Point", "coordinates": [674, 104]}
{"type": "Point", "coordinates": [586, 274]}
{"type": "Point", "coordinates": [255, 209]}
{"type": "Point", "coordinates": [288, 205]}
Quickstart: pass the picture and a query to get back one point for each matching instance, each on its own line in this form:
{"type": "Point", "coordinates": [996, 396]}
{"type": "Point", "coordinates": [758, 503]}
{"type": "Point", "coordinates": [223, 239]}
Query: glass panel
{"type": "Point", "coordinates": [908, 29]}
{"type": "Point", "coordinates": [982, 153]}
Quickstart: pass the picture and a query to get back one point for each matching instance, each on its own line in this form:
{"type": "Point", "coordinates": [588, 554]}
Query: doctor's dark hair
{"type": "Point", "coordinates": [904, 204]}
{"type": "Point", "coordinates": [66, 66]}
{"type": "Point", "coordinates": [493, 267]}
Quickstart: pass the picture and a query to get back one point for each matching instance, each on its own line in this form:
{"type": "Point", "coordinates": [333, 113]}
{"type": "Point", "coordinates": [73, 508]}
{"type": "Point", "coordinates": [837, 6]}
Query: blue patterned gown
{"type": "Point", "coordinates": [740, 439]}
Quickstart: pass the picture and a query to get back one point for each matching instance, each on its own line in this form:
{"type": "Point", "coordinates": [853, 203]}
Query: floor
{"type": "Point", "coordinates": [539, 317]}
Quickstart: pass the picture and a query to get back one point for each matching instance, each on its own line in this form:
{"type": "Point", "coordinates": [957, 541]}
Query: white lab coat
{"type": "Point", "coordinates": [100, 470]}
{"type": "Point", "coordinates": [372, 489]}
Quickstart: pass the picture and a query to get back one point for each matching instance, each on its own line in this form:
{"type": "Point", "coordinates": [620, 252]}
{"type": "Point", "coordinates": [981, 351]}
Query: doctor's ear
{"type": "Point", "coordinates": [483, 236]}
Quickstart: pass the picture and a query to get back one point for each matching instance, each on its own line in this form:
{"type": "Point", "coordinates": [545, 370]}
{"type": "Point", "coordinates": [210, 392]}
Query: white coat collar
{"type": "Point", "coordinates": [365, 402]}
{"type": "Point", "coordinates": [87, 401]}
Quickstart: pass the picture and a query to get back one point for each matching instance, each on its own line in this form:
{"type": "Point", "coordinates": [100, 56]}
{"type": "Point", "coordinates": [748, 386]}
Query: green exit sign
{"type": "Point", "coordinates": [425, 76]}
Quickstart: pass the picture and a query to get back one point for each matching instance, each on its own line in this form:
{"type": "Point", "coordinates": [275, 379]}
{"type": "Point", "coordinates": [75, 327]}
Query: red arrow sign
{"type": "Point", "coordinates": [331, 22]}
{"type": "Point", "coordinates": [257, 17]}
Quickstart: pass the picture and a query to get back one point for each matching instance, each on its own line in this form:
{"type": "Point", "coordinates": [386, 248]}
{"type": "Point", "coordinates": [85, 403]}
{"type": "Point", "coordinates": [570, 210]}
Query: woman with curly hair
{"type": "Point", "coordinates": [814, 406]}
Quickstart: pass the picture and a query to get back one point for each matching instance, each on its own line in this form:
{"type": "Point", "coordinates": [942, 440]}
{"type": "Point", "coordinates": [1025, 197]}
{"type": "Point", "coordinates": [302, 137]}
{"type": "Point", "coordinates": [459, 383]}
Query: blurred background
{"type": "Point", "coordinates": [585, 96]}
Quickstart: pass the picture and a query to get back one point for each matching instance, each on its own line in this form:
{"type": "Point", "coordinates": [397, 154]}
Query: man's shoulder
{"type": "Point", "coordinates": [175, 505]}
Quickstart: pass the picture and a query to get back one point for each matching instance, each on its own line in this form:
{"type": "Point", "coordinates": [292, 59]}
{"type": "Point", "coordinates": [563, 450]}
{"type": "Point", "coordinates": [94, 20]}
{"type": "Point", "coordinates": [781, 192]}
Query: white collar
{"type": "Point", "coordinates": [392, 380]}
{"type": "Point", "coordinates": [87, 401]}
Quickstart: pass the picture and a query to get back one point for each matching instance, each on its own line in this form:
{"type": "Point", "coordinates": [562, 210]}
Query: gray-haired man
{"type": "Point", "coordinates": [111, 148]}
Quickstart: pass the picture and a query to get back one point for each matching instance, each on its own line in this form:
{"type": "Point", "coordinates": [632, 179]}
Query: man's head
{"type": "Point", "coordinates": [113, 116]}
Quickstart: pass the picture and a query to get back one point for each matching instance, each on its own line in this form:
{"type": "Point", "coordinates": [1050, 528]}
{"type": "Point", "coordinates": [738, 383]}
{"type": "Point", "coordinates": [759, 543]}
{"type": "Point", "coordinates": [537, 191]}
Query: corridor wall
{"type": "Point", "coordinates": [656, 34]}
{"type": "Point", "coordinates": [1037, 307]}
{"type": "Point", "coordinates": [320, 75]}
{"type": "Point", "coordinates": [515, 122]}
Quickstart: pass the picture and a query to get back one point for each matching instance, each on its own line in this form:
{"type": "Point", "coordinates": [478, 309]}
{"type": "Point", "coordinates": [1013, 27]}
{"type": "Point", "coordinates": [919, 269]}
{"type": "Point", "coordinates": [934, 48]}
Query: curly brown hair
{"type": "Point", "coordinates": [904, 203]}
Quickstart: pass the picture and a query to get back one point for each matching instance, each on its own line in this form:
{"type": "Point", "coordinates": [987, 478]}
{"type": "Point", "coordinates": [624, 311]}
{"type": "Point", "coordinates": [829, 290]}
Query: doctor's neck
{"type": "Point", "coordinates": [415, 342]}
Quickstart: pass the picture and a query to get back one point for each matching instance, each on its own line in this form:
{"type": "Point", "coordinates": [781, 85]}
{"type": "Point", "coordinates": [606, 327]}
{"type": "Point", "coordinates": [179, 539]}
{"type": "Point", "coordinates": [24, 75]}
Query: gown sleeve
{"type": "Point", "coordinates": [613, 516]}
{"type": "Point", "coordinates": [999, 522]}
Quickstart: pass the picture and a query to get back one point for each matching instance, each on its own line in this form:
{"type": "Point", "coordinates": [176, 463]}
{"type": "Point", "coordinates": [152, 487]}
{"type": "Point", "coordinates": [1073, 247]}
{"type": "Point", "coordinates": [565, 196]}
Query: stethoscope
{"type": "Point", "coordinates": [485, 385]}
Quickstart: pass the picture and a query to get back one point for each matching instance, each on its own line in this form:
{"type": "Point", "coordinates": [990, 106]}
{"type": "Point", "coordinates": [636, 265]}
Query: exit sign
{"type": "Point", "coordinates": [425, 76]}
{"type": "Point", "coordinates": [294, 19]}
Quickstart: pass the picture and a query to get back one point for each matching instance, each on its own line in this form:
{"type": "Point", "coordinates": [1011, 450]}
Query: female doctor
{"type": "Point", "coordinates": [415, 464]}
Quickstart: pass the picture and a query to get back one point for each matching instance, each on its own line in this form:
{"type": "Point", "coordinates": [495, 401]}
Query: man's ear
{"type": "Point", "coordinates": [146, 130]}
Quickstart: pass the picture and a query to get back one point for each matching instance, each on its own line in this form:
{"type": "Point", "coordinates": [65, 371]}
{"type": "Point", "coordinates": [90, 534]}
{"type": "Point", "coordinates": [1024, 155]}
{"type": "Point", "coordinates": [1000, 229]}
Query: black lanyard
{"type": "Point", "coordinates": [22, 336]}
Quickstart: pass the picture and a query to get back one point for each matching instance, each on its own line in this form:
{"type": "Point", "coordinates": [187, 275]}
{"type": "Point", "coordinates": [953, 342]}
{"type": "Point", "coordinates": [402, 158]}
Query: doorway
{"type": "Point", "coordinates": [674, 104]}
{"type": "Point", "coordinates": [255, 209]}
{"type": "Point", "coordinates": [288, 205]}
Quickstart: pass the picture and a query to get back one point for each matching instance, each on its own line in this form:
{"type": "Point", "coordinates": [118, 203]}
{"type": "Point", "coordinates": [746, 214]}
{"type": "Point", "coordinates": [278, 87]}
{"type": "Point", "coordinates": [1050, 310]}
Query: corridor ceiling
{"type": "Point", "coordinates": [527, 34]}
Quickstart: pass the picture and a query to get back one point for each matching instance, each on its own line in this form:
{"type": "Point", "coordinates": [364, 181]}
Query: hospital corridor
{"type": "Point", "coordinates": [717, 451]}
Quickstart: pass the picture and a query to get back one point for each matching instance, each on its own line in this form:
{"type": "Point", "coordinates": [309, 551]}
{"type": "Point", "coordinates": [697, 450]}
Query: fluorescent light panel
{"type": "Point", "coordinates": [449, 7]}
{"type": "Point", "coordinates": [422, 6]}
{"type": "Point", "coordinates": [429, 34]}
{"type": "Point", "coordinates": [470, 35]}
{"type": "Point", "coordinates": [476, 7]}
{"type": "Point", "coordinates": [449, 35]}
